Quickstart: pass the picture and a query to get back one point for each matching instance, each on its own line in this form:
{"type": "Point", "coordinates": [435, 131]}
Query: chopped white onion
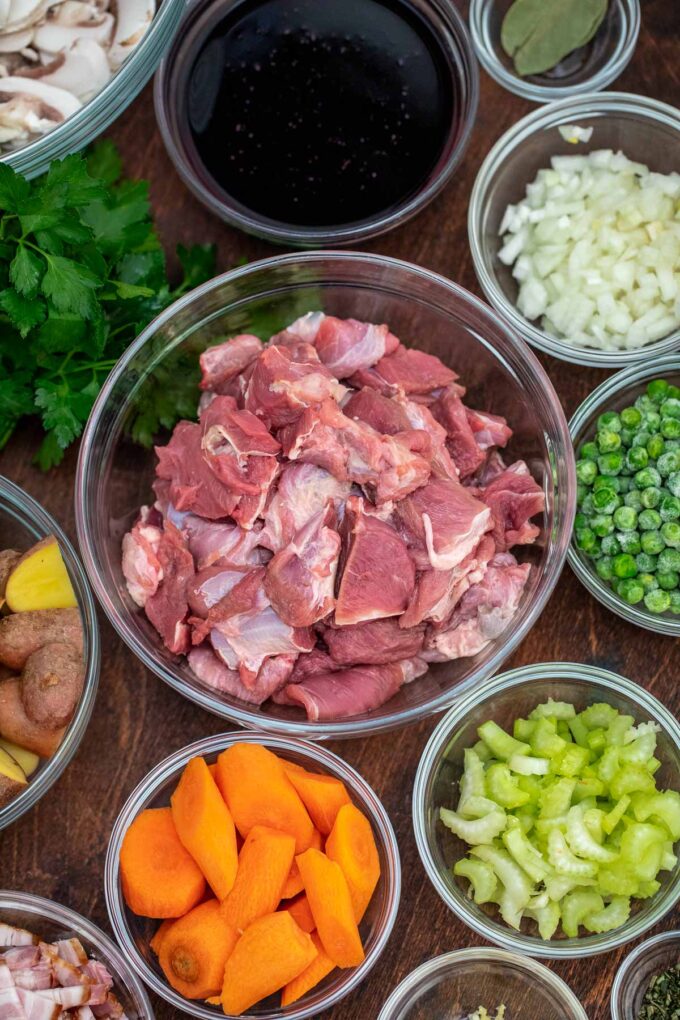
{"type": "Point", "coordinates": [595, 249]}
{"type": "Point", "coordinates": [573, 133]}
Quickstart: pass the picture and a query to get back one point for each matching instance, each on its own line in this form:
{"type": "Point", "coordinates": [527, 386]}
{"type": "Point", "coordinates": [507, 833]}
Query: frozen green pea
{"type": "Point", "coordinates": [668, 462]}
{"type": "Point", "coordinates": [607, 440]}
{"type": "Point", "coordinates": [648, 476]}
{"type": "Point", "coordinates": [651, 497]}
{"type": "Point", "coordinates": [627, 436]}
{"type": "Point", "coordinates": [625, 483]}
{"type": "Point", "coordinates": [631, 591]}
{"type": "Point", "coordinates": [602, 524]}
{"type": "Point", "coordinates": [604, 568]}
{"type": "Point", "coordinates": [645, 563]}
{"type": "Point", "coordinates": [637, 458]}
{"type": "Point", "coordinates": [651, 542]}
{"type": "Point", "coordinates": [623, 565]}
{"type": "Point", "coordinates": [625, 518]}
{"type": "Point", "coordinates": [655, 446]}
{"type": "Point", "coordinates": [610, 463]}
{"type": "Point", "coordinates": [657, 601]}
{"type": "Point", "coordinates": [629, 542]}
{"type": "Point", "coordinates": [675, 602]}
{"type": "Point", "coordinates": [642, 438]}
{"type": "Point", "coordinates": [581, 492]}
{"type": "Point", "coordinates": [670, 532]}
{"type": "Point", "coordinates": [657, 390]}
{"type": "Point", "coordinates": [587, 504]}
{"type": "Point", "coordinates": [670, 408]}
{"type": "Point", "coordinates": [633, 498]}
{"type": "Point", "coordinates": [608, 482]}
{"type": "Point", "coordinates": [586, 539]}
{"type": "Point", "coordinates": [673, 483]}
{"type": "Point", "coordinates": [586, 471]}
{"type": "Point", "coordinates": [651, 420]}
{"type": "Point", "coordinates": [609, 420]}
{"type": "Point", "coordinates": [669, 559]}
{"type": "Point", "coordinates": [669, 508]}
{"type": "Point", "coordinates": [610, 545]}
{"type": "Point", "coordinates": [670, 428]}
{"type": "Point", "coordinates": [580, 521]}
{"type": "Point", "coordinates": [606, 500]}
{"type": "Point", "coordinates": [648, 581]}
{"type": "Point", "coordinates": [630, 417]}
{"type": "Point", "coordinates": [644, 403]}
{"type": "Point", "coordinates": [589, 451]}
{"type": "Point", "coordinates": [649, 520]}
{"type": "Point", "coordinates": [668, 579]}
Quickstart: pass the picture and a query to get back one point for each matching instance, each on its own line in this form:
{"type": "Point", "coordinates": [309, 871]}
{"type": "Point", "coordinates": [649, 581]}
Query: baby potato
{"type": "Point", "coordinates": [40, 580]}
{"type": "Point", "coordinates": [52, 682]}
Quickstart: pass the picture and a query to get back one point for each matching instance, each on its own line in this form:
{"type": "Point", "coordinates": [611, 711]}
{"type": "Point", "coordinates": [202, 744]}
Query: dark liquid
{"type": "Point", "coordinates": [320, 112]}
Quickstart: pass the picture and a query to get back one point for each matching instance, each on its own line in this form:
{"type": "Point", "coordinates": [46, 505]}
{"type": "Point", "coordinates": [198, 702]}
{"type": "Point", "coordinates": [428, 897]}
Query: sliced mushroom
{"type": "Point", "coordinates": [133, 17]}
{"type": "Point", "coordinates": [5, 7]}
{"type": "Point", "coordinates": [54, 37]}
{"type": "Point", "coordinates": [29, 108]}
{"type": "Point", "coordinates": [83, 70]}
{"type": "Point", "coordinates": [24, 13]}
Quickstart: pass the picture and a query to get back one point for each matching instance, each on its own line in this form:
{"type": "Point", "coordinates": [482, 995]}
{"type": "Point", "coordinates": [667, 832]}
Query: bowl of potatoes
{"type": "Point", "coordinates": [49, 652]}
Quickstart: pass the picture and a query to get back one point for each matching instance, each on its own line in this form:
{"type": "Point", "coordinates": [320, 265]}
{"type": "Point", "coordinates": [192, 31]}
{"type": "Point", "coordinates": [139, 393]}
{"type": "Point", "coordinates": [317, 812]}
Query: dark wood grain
{"type": "Point", "coordinates": [58, 849]}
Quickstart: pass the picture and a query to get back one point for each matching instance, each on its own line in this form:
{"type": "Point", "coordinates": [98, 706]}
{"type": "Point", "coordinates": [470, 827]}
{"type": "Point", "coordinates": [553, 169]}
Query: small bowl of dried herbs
{"type": "Point", "coordinates": [549, 49]}
{"type": "Point", "coordinates": [647, 984]}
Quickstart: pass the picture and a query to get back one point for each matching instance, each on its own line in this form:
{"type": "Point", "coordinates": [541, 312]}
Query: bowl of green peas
{"type": "Point", "coordinates": [625, 546]}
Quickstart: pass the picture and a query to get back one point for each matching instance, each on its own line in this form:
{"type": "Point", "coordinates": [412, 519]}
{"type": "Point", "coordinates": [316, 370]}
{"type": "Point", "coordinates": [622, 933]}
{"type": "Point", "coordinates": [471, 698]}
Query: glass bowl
{"type": "Point", "coordinates": [644, 129]}
{"type": "Point", "coordinates": [503, 698]}
{"type": "Point", "coordinates": [614, 393]}
{"type": "Point", "coordinates": [588, 69]}
{"type": "Point", "coordinates": [51, 921]}
{"type": "Point", "coordinates": [94, 116]}
{"type": "Point", "coordinates": [133, 933]}
{"type": "Point", "coordinates": [639, 967]}
{"type": "Point", "coordinates": [23, 522]}
{"type": "Point", "coordinates": [452, 986]}
{"type": "Point", "coordinates": [503, 376]}
{"type": "Point", "coordinates": [170, 95]}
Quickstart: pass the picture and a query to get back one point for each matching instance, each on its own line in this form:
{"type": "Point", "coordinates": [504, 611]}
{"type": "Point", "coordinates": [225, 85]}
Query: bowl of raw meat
{"type": "Point", "coordinates": [363, 510]}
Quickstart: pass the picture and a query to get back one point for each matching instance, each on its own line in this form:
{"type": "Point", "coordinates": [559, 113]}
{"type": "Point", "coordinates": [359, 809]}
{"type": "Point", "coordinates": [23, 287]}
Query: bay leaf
{"type": "Point", "coordinates": [538, 34]}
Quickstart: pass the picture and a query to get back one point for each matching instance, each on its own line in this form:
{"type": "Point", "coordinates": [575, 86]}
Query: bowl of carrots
{"type": "Point", "coordinates": [255, 875]}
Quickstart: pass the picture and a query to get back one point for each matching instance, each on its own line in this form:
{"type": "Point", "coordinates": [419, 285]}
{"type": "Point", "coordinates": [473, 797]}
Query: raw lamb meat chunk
{"type": "Point", "coordinates": [300, 579]}
{"type": "Point", "coordinates": [272, 676]}
{"type": "Point", "coordinates": [514, 498]}
{"type": "Point", "coordinates": [445, 519]}
{"type": "Point", "coordinates": [302, 491]}
{"type": "Point", "coordinates": [168, 607]}
{"type": "Point", "coordinates": [350, 692]}
{"type": "Point", "coordinates": [345, 345]}
{"type": "Point", "coordinates": [222, 362]}
{"type": "Point", "coordinates": [286, 380]}
{"type": "Point", "coordinates": [437, 592]}
{"type": "Point", "coordinates": [406, 369]}
{"type": "Point", "coordinates": [451, 413]}
{"type": "Point", "coordinates": [193, 485]}
{"type": "Point", "coordinates": [376, 642]}
{"type": "Point", "coordinates": [142, 569]}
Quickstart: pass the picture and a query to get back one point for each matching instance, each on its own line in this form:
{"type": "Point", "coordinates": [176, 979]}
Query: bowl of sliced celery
{"type": "Point", "coordinates": [547, 813]}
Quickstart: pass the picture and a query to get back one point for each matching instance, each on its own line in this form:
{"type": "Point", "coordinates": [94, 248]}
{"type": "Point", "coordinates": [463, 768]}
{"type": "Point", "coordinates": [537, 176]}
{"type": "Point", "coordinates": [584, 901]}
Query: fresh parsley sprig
{"type": "Point", "coordinates": [82, 272]}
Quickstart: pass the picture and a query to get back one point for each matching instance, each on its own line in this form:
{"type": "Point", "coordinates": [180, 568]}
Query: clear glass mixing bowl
{"type": "Point", "coordinates": [114, 476]}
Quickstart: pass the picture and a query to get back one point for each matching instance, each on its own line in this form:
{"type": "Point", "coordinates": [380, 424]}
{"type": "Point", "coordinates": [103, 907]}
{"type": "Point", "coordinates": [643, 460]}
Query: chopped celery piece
{"type": "Point", "coordinates": [526, 817]}
{"type": "Point", "coordinates": [612, 916]}
{"type": "Point", "coordinates": [617, 880]}
{"type": "Point", "coordinates": [502, 787]}
{"type": "Point", "coordinates": [544, 741]}
{"type": "Point", "coordinates": [544, 826]}
{"type": "Point", "coordinates": [597, 715]}
{"type": "Point", "coordinates": [662, 807]}
{"type": "Point", "coordinates": [608, 764]}
{"type": "Point", "coordinates": [617, 730]}
{"type": "Point", "coordinates": [527, 765]}
{"type": "Point", "coordinates": [472, 780]}
{"type": "Point", "coordinates": [522, 729]}
{"type": "Point", "coordinates": [647, 889]}
{"type": "Point", "coordinates": [579, 731]}
{"type": "Point", "coordinates": [547, 919]}
{"type": "Point", "coordinates": [483, 752]}
{"type": "Point", "coordinates": [593, 817]}
{"type": "Point", "coordinates": [477, 807]}
{"type": "Point", "coordinates": [557, 798]}
{"type": "Point", "coordinates": [582, 843]}
{"type": "Point", "coordinates": [556, 709]}
{"type": "Point", "coordinates": [668, 860]}
{"type": "Point", "coordinates": [517, 887]}
{"type": "Point", "coordinates": [653, 765]}
{"type": "Point", "coordinates": [500, 743]}
{"type": "Point", "coordinates": [477, 830]}
{"type": "Point", "coordinates": [564, 731]}
{"type": "Point", "coordinates": [571, 761]}
{"type": "Point", "coordinates": [563, 860]}
{"type": "Point", "coordinates": [631, 779]}
{"type": "Point", "coordinates": [640, 750]}
{"type": "Point", "coordinates": [557, 886]}
{"type": "Point", "coordinates": [482, 877]}
{"type": "Point", "coordinates": [531, 785]}
{"type": "Point", "coordinates": [576, 906]}
{"type": "Point", "coordinates": [587, 786]}
{"type": "Point", "coordinates": [613, 817]}
{"type": "Point", "coordinates": [596, 739]}
{"type": "Point", "coordinates": [642, 847]}
{"type": "Point", "coordinates": [524, 853]}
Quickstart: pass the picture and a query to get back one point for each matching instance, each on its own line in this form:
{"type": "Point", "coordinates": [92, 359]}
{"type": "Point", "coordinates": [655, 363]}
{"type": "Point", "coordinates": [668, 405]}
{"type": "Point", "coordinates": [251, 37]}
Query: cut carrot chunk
{"type": "Point", "coordinates": [159, 877]}
{"type": "Point", "coordinates": [318, 969]}
{"type": "Point", "coordinates": [258, 791]}
{"type": "Point", "coordinates": [205, 826]}
{"type": "Point", "coordinates": [323, 796]}
{"type": "Point", "coordinates": [294, 884]}
{"type": "Point", "coordinates": [301, 913]}
{"type": "Point", "coordinates": [351, 845]}
{"type": "Point", "coordinates": [162, 930]}
{"type": "Point", "coordinates": [271, 952]}
{"type": "Point", "coordinates": [195, 949]}
{"type": "Point", "coordinates": [332, 909]}
{"type": "Point", "coordinates": [264, 864]}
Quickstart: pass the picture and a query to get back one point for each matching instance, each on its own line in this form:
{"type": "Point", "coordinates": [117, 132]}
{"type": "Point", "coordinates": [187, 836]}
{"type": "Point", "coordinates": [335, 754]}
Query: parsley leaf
{"type": "Point", "coordinates": [26, 270]}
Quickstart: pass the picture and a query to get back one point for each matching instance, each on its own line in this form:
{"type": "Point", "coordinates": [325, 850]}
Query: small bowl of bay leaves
{"type": "Point", "coordinates": [549, 49]}
{"type": "Point", "coordinates": [647, 984]}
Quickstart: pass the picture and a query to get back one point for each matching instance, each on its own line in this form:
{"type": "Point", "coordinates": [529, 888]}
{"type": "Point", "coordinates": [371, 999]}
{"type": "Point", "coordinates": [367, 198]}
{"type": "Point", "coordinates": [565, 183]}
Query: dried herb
{"type": "Point", "coordinates": [662, 998]}
{"type": "Point", "coordinates": [538, 34]}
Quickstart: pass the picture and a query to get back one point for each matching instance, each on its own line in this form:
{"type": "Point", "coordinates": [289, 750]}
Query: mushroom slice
{"type": "Point", "coordinates": [5, 8]}
{"type": "Point", "coordinates": [29, 108]}
{"type": "Point", "coordinates": [133, 17]}
{"type": "Point", "coordinates": [83, 70]}
{"type": "Point", "coordinates": [14, 42]}
{"type": "Point", "coordinates": [54, 37]}
{"type": "Point", "coordinates": [24, 13]}
{"type": "Point", "coordinates": [76, 12]}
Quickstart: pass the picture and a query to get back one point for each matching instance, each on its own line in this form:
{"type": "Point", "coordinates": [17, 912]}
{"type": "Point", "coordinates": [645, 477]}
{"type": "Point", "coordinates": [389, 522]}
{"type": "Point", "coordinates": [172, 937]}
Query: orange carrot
{"type": "Point", "coordinates": [291, 766]}
{"type": "Point", "coordinates": [318, 969]}
{"type": "Point", "coordinates": [162, 930]}
{"type": "Point", "coordinates": [293, 884]}
{"type": "Point", "coordinates": [331, 905]}
{"type": "Point", "coordinates": [323, 796]}
{"type": "Point", "coordinates": [159, 877]}
{"type": "Point", "coordinates": [352, 846]}
{"type": "Point", "coordinates": [301, 913]}
{"type": "Point", "coordinates": [205, 827]}
{"type": "Point", "coordinates": [270, 953]}
{"type": "Point", "coordinates": [195, 950]}
{"type": "Point", "coordinates": [257, 790]}
{"type": "Point", "coordinates": [264, 864]}
{"type": "Point", "coordinates": [212, 769]}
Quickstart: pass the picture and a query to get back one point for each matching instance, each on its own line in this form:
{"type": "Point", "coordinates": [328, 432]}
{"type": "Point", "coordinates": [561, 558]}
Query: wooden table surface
{"type": "Point", "coordinates": [57, 850]}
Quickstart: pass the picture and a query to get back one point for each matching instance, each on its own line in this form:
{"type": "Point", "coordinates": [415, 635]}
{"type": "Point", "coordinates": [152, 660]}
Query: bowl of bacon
{"type": "Point", "coordinates": [364, 508]}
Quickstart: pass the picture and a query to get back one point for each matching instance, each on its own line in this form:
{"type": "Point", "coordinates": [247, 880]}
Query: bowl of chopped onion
{"type": "Point", "coordinates": [626, 544]}
{"type": "Point", "coordinates": [546, 810]}
{"type": "Point", "coordinates": [574, 232]}
{"type": "Point", "coordinates": [482, 983]}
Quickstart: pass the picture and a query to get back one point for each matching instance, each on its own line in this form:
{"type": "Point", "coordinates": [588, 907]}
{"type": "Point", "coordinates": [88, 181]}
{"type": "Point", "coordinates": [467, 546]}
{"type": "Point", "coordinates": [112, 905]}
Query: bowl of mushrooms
{"type": "Point", "coordinates": [68, 68]}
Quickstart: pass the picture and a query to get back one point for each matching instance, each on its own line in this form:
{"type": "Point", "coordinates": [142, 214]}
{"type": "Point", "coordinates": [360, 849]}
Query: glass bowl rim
{"type": "Point", "coordinates": [548, 116]}
{"type": "Point", "coordinates": [169, 767]}
{"type": "Point", "coordinates": [535, 971]}
{"type": "Point", "coordinates": [72, 920]}
{"type": "Point", "coordinates": [557, 672]}
{"type": "Point", "coordinates": [26, 507]}
{"type": "Point", "coordinates": [104, 107]}
{"type": "Point", "coordinates": [632, 958]}
{"type": "Point", "coordinates": [282, 233]}
{"type": "Point", "coordinates": [246, 716]}
{"type": "Point", "coordinates": [606, 596]}
{"type": "Point", "coordinates": [615, 64]}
